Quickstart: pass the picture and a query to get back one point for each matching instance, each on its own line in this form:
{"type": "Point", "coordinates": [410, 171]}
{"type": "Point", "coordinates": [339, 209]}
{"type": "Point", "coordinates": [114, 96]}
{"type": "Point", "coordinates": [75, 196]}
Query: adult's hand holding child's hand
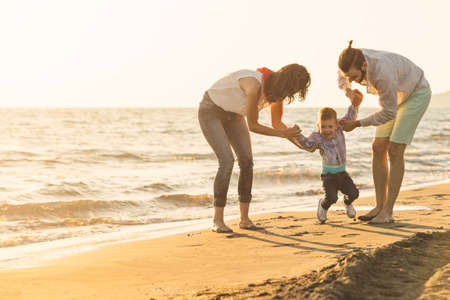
{"type": "Point", "coordinates": [293, 131]}
{"type": "Point", "coordinates": [356, 97]}
{"type": "Point", "coordinates": [349, 125]}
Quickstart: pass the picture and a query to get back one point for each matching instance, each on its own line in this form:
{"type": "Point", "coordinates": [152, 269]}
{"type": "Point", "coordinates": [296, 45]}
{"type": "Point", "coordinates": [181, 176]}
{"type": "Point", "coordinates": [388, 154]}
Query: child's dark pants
{"type": "Point", "coordinates": [332, 183]}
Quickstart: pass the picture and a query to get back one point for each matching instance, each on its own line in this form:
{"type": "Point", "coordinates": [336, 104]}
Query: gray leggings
{"type": "Point", "coordinates": [222, 129]}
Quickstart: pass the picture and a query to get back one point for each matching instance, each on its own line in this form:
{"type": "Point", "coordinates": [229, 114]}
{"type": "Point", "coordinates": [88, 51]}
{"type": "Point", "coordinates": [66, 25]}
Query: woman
{"type": "Point", "coordinates": [221, 116]}
{"type": "Point", "coordinates": [404, 95]}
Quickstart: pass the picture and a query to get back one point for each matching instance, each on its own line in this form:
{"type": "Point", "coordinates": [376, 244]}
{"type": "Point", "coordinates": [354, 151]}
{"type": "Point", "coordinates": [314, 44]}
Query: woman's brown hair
{"type": "Point", "coordinates": [289, 82]}
{"type": "Point", "coordinates": [350, 57]}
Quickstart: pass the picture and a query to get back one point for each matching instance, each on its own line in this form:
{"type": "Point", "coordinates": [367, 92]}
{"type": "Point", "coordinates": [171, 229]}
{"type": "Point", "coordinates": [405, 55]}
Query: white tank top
{"type": "Point", "coordinates": [227, 94]}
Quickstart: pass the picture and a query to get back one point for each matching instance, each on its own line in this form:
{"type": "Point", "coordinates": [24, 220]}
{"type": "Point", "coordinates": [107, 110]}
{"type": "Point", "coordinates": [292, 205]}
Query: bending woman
{"type": "Point", "coordinates": [222, 119]}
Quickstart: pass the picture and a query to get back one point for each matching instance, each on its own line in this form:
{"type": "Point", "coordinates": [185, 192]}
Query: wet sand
{"type": "Point", "coordinates": [294, 257]}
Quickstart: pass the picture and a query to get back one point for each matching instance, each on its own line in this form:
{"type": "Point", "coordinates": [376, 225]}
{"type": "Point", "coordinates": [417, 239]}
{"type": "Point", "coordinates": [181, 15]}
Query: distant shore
{"type": "Point", "coordinates": [293, 250]}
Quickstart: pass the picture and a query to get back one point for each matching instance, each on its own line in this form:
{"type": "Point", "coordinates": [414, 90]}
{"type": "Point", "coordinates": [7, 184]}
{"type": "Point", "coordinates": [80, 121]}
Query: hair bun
{"type": "Point", "coordinates": [350, 44]}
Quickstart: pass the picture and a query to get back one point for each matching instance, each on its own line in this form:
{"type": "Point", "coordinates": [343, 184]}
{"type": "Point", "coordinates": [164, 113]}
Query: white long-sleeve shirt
{"type": "Point", "coordinates": [391, 76]}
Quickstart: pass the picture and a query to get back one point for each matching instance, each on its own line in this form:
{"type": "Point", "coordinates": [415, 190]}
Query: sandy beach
{"type": "Point", "coordinates": [294, 256]}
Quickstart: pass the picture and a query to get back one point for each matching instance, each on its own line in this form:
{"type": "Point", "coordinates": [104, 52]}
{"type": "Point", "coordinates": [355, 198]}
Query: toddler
{"type": "Point", "coordinates": [330, 141]}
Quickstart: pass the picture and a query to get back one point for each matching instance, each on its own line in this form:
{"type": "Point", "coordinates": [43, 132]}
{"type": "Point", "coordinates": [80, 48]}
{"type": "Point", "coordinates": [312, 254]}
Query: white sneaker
{"type": "Point", "coordinates": [350, 210]}
{"type": "Point", "coordinates": [321, 212]}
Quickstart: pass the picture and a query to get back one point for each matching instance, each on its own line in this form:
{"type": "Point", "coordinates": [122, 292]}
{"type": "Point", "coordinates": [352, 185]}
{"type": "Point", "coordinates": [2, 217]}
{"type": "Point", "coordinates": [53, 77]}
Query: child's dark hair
{"type": "Point", "coordinates": [350, 57]}
{"type": "Point", "coordinates": [327, 113]}
{"type": "Point", "coordinates": [286, 83]}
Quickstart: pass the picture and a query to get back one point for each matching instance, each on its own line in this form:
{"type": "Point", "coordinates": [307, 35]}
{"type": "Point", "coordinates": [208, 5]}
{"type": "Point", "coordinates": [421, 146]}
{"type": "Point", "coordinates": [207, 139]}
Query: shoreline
{"type": "Point", "coordinates": [32, 255]}
{"type": "Point", "coordinates": [293, 244]}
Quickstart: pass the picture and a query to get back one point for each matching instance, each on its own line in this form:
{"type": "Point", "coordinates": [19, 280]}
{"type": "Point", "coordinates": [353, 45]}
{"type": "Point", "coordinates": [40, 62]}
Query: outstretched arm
{"type": "Point", "coordinates": [252, 89]}
{"type": "Point", "coordinates": [349, 122]}
{"type": "Point", "coordinates": [310, 143]}
{"type": "Point", "coordinates": [352, 113]}
{"type": "Point", "coordinates": [276, 113]}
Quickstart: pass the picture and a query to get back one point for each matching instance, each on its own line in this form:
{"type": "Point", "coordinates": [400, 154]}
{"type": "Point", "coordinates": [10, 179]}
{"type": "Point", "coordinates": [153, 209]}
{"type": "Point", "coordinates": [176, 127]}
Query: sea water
{"type": "Point", "coordinates": [74, 178]}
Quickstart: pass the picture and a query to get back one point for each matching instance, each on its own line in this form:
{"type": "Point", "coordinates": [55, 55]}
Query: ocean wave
{"type": "Point", "coordinates": [309, 192]}
{"type": "Point", "coordinates": [435, 137]}
{"type": "Point", "coordinates": [18, 153]}
{"type": "Point", "coordinates": [62, 209]}
{"type": "Point", "coordinates": [184, 157]}
{"type": "Point", "coordinates": [44, 234]}
{"type": "Point", "coordinates": [122, 156]}
{"type": "Point", "coordinates": [35, 231]}
{"type": "Point", "coordinates": [155, 186]}
{"type": "Point", "coordinates": [185, 200]}
{"type": "Point", "coordinates": [28, 160]}
{"type": "Point", "coordinates": [99, 154]}
{"type": "Point", "coordinates": [440, 135]}
{"type": "Point", "coordinates": [437, 153]}
{"type": "Point", "coordinates": [102, 154]}
{"type": "Point", "coordinates": [24, 238]}
{"type": "Point", "coordinates": [285, 176]}
{"type": "Point", "coordinates": [67, 189]}
{"type": "Point", "coordinates": [282, 153]}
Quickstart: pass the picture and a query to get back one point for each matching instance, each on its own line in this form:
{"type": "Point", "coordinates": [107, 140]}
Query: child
{"type": "Point", "coordinates": [330, 141]}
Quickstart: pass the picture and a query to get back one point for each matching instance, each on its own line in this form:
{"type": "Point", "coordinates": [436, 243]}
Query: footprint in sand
{"type": "Point", "coordinates": [300, 233]}
{"type": "Point", "coordinates": [349, 235]}
{"type": "Point", "coordinates": [405, 202]}
{"type": "Point", "coordinates": [426, 213]}
{"type": "Point", "coordinates": [348, 243]}
{"type": "Point", "coordinates": [440, 195]}
{"type": "Point", "coordinates": [285, 245]}
{"type": "Point", "coordinates": [318, 233]}
{"type": "Point", "coordinates": [289, 227]}
{"type": "Point", "coordinates": [278, 218]}
{"type": "Point", "coordinates": [335, 222]}
{"type": "Point", "coordinates": [413, 198]}
{"type": "Point", "coordinates": [194, 245]}
{"type": "Point", "coordinates": [303, 252]}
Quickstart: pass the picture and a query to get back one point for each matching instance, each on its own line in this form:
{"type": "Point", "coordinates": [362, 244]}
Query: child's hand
{"type": "Point", "coordinates": [357, 97]}
{"type": "Point", "coordinates": [292, 132]}
{"type": "Point", "coordinates": [348, 93]}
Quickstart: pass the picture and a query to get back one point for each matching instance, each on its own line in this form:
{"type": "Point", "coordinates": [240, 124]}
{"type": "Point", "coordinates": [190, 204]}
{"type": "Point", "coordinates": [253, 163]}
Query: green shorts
{"type": "Point", "coordinates": [401, 129]}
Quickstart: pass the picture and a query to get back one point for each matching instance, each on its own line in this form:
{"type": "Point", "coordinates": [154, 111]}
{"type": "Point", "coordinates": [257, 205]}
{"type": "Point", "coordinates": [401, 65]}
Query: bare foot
{"type": "Point", "coordinates": [382, 218]}
{"type": "Point", "coordinates": [370, 215]}
{"type": "Point", "coordinates": [221, 228]}
{"type": "Point", "coordinates": [249, 225]}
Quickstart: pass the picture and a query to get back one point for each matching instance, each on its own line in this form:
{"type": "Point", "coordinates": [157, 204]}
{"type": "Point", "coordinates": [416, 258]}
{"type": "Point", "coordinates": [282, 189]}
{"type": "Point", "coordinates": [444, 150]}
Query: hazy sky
{"type": "Point", "coordinates": [167, 52]}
